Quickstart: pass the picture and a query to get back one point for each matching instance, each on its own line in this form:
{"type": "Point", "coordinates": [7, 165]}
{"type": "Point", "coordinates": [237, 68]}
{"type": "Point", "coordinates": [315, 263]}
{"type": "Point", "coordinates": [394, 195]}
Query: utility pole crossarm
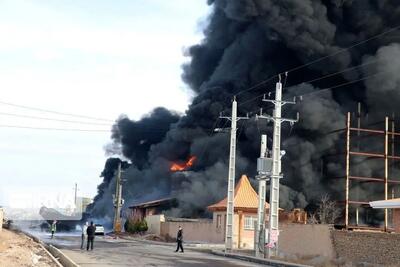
{"type": "Point", "coordinates": [281, 102]}
{"type": "Point", "coordinates": [270, 118]}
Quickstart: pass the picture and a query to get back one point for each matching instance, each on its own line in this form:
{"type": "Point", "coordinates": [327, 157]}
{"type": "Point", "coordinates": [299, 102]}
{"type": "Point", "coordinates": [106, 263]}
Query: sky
{"type": "Point", "coordinates": [97, 58]}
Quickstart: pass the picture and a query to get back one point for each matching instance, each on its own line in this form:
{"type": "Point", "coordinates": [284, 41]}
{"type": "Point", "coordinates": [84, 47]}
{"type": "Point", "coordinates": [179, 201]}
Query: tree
{"type": "Point", "coordinates": [328, 212]}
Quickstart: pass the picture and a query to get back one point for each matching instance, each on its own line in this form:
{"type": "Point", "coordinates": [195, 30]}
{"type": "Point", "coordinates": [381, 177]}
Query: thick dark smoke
{"type": "Point", "coordinates": [247, 41]}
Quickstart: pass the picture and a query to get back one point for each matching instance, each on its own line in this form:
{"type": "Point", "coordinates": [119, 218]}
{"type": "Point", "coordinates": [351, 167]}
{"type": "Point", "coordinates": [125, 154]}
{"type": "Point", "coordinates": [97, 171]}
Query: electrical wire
{"type": "Point", "coordinates": [153, 130]}
{"type": "Point", "coordinates": [336, 73]}
{"type": "Point", "coordinates": [51, 119]}
{"type": "Point", "coordinates": [52, 129]}
{"type": "Point", "coordinates": [54, 112]}
{"type": "Point", "coordinates": [342, 84]}
{"type": "Point", "coordinates": [256, 85]}
{"type": "Point", "coordinates": [313, 80]}
{"type": "Point", "coordinates": [319, 59]}
{"type": "Point", "coordinates": [345, 49]}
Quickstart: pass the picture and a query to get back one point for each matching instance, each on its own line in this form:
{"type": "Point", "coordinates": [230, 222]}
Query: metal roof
{"type": "Point", "coordinates": [245, 197]}
{"type": "Point", "coordinates": [151, 203]}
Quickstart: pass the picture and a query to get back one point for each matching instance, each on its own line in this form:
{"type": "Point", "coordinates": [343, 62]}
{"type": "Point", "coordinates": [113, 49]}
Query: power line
{"type": "Point", "coordinates": [336, 73]}
{"type": "Point", "coordinates": [52, 129]}
{"type": "Point", "coordinates": [342, 84]}
{"type": "Point", "coordinates": [51, 119]}
{"type": "Point", "coordinates": [345, 49]}
{"type": "Point", "coordinates": [154, 130]}
{"type": "Point", "coordinates": [256, 85]}
{"type": "Point", "coordinates": [53, 111]}
{"type": "Point", "coordinates": [318, 60]}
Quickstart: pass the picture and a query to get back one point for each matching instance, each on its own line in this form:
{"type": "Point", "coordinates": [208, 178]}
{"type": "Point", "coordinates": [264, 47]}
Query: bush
{"type": "Point", "coordinates": [134, 227]}
{"type": "Point", "coordinates": [142, 227]}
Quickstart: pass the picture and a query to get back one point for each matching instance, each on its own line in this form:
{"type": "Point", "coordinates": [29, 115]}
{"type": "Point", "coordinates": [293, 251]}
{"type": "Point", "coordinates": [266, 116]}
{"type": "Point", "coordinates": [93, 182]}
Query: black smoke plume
{"type": "Point", "coordinates": [245, 42]}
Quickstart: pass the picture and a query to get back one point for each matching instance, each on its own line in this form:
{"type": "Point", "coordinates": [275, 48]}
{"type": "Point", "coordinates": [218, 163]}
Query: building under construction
{"type": "Point", "coordinates": [370, 173]}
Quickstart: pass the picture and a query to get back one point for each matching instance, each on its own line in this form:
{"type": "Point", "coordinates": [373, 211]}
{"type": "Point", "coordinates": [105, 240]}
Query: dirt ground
{"type": "Point", "coordinates": [19, 250]}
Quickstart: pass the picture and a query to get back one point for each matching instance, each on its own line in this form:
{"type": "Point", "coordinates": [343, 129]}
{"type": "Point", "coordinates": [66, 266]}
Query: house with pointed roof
{"type": "Point", "coordinates": [245, 214]}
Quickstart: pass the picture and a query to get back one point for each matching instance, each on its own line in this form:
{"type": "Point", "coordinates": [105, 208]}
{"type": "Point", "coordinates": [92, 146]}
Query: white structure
{"type": "Point", "coordinates": [386, 204]}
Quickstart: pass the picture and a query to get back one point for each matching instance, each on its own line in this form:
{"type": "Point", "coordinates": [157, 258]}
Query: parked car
{"type": "Point", "coordinates": [99, 229]}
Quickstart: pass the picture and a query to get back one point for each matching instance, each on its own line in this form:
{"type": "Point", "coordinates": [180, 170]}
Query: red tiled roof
{"type": "Point", "coordinates": [245, 197]}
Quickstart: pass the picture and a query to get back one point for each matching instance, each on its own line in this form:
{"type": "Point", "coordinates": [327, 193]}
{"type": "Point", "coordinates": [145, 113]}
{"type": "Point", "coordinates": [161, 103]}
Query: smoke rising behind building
{"type": "Point", "coordinates": [246, 42]}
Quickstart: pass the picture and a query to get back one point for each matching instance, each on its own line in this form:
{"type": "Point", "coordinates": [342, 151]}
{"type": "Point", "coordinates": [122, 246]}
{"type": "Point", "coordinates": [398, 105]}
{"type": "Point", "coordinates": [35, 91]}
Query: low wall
{"type": "Point", "coordinates": [193, 231]}
{"type": "Point", "coordinates": [370, 247]}
{"type": "Point", "coordinates": [306, 240]}
{"type": "Point", "coordinates": [154, 223]}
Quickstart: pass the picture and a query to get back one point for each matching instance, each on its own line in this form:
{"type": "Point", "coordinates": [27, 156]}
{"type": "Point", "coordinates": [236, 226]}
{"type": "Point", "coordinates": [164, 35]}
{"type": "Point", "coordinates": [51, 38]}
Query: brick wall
{"type": "Point", "coordinates": [396, 220]}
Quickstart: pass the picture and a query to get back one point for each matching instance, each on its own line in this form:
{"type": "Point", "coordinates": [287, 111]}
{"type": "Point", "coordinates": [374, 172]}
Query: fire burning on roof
{"type": "Point", "coordinates": [176, 167]}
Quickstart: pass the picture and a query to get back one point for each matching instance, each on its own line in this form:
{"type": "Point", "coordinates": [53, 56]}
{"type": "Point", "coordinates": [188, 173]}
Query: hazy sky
{"type": "Point", "coordinates": [90, 57]}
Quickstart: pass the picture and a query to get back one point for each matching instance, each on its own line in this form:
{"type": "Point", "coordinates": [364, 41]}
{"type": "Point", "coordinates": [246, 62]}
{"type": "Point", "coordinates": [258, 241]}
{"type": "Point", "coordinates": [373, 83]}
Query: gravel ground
{"type": "Point", "coordinates": [18, 250]}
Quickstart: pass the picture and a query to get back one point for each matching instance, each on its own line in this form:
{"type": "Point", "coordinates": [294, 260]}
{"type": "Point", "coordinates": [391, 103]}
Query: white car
{"type": "Point", "coordinates": [99, 229]}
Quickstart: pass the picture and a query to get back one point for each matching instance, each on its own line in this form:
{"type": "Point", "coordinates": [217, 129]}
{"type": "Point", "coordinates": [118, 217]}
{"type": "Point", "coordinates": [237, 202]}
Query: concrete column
{"type": "Point", "coordinates": [240, 226]}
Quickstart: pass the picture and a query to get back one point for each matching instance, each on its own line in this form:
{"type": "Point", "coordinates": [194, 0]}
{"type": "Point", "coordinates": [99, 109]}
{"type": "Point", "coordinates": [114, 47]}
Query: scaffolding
{"type": "Point", "coordinates": [385, 180]}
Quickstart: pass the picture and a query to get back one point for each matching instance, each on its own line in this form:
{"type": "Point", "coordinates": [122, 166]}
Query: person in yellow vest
{"type": "Point", "coordinates": [53, 228]}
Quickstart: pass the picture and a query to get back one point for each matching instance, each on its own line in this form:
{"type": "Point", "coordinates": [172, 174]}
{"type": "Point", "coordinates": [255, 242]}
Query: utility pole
{"type": "Point", "coordinates": [76, 192]}
{"type": "Point", "coordinates": [231, 177]}
{"type": "Point", "coordinates": [273, 231]}
{"type": "Point", "coordinates": [264, 166]}
{"type": "Point", "coordinates": [76, 208]}
{"type": "Point", "coordinates": [117, 198]}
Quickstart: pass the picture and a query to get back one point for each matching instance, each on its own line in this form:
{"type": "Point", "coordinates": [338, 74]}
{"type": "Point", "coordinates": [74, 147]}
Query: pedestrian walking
{"type": "Point", "coordinates": [84, 234]}
{"type": "Point", "coordinates": [179, 239]}
{"type": "Point", "coordinates": [90, 231]}
{"type": "Point", "coordinates": [53, 228]}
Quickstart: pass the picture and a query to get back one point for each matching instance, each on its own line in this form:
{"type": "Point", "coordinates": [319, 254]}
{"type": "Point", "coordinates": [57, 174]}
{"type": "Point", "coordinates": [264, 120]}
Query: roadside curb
{"type": "Point", "coordinates": [55, 254]}
{"type": "Point", "coordinates": [64, 259]}
{"type": "Point", "coordinates": [275, 263]}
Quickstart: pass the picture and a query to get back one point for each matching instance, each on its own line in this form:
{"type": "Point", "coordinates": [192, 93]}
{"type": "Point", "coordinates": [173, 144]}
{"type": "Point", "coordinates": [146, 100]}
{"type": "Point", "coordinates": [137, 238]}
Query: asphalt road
{"type": "Point", "coordinates": [111, 252]}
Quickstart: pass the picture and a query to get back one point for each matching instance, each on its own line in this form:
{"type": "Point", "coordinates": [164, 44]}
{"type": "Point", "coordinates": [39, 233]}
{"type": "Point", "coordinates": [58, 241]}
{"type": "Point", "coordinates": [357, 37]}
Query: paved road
{"type": "Point", "coordinates": [110, 252]}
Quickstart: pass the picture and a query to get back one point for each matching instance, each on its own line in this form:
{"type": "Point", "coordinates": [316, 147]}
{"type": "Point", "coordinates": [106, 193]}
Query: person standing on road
{"type": "Point", "coordinates": [53, 228]}
{"type": "Point", "coordinates": [179, 240]}
{"type": "Point", "coordinates": [84, 234]}
{"type": "Point", "coordinates": [90, 236]}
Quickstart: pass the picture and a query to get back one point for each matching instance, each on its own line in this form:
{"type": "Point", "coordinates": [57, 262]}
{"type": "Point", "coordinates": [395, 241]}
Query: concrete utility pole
{"type": "Point", "coordinates": [273, 231]}
{"type": "Point", "coordinates": [75, 196]}
{"type": "Point", "coordinates": [118, 201]}
{"type": "Point", "coordinates": [231, 177]}
{"type": "Point", "coordinates": [264, 166]}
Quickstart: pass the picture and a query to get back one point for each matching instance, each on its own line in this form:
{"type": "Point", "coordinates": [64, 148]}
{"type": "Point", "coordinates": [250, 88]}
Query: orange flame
{"type": "Point", "coordinates": [181, 167]}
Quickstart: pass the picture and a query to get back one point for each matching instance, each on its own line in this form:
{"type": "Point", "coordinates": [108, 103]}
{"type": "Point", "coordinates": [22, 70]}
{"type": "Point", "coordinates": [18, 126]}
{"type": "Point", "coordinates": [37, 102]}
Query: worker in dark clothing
{"type": "Point", "coordinates": [179, 240]}
{"type": "Point", "coordinates": [90, 235]}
